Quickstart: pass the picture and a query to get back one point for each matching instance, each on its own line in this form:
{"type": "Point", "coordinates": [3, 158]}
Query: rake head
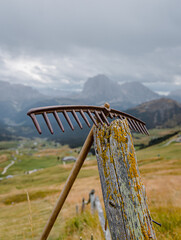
{"type": "Point", "coordinates": [96, 114]}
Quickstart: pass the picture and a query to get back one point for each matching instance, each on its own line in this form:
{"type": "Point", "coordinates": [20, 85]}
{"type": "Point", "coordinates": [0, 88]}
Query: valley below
{"type": "Point", "coordinates": [29, 188]}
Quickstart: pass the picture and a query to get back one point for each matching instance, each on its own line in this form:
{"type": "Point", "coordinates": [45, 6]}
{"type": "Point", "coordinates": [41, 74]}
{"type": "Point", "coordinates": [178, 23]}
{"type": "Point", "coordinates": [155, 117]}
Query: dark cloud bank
{"type": "Point", "coordinates": [60, 44]}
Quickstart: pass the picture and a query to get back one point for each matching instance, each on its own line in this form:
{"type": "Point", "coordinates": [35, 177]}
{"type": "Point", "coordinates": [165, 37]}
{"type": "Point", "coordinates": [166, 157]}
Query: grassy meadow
{"type": "Point", "coordinates": [26, 200]}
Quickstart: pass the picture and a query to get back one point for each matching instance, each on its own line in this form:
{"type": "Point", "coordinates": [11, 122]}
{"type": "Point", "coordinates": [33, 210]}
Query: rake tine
{"type": "Point", "coordinates": [76, 118]}
{"type": "Point", "coordinates": [129, 122]}
{"type": "Point", "coordinates": [58, 120]}
{"type": "Point", "coordinates": [92, 118]}
{"type": "Point", "coordinates": [111, 115]}
{"type": "Point", "coordinates": [138, 126]}
{"type": "Point", "coordinates": [98, 117]}
{"type": "Point", "coordinates": [47, 122]}
{"type": "Point", "coordinates": [104, 117]}
{"type": "Point", "coordinates": [142, 128]}
{"type": "Point", "coordinates": [133, 124]}
{"type": "Point", "coordinates": [119, 116]}
{"type": "Point", "coordinates": [68, 119]}
{"type": "Point", "coordinates": [84, 117]}
{"type": "Point", "coordinates": [33, 117]}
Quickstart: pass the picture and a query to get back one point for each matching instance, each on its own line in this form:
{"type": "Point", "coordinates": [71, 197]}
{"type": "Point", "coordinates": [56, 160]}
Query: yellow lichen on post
{"type": "Point", "coordinates": [123, 192]}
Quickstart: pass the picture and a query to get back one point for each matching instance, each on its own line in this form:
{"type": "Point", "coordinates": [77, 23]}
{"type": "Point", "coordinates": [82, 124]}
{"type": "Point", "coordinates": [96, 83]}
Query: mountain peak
{"type": "Point", "coordinates": [100, 88]}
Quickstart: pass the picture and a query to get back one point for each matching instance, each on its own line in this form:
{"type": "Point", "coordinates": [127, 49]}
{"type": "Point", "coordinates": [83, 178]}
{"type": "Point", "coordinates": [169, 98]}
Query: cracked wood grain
{"type": "Point", "coordinates": [124, 194]}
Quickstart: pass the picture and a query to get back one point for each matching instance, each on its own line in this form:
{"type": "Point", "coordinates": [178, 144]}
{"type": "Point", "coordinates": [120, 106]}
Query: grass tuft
{"type": "Point", "coordinates": [30, 214]}
{"type": "Point", "coordinates": [81, 225]}
{"type": "Point", "coordinates": [22, 197]}
{"type": "Point", "coordinates": [170, 218]}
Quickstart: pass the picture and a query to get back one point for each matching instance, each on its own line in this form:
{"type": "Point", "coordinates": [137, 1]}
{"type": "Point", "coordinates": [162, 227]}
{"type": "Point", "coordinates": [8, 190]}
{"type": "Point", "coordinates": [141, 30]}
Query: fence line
{"type": "Point", "coordinates": [96, 206]}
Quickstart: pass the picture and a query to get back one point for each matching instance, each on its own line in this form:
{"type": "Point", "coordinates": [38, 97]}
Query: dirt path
{"type": "Point", "coordinates": [6, 168]}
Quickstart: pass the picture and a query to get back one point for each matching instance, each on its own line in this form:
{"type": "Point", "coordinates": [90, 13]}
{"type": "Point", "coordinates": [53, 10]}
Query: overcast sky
{"type": "Point", "coordinates": [61, 43]}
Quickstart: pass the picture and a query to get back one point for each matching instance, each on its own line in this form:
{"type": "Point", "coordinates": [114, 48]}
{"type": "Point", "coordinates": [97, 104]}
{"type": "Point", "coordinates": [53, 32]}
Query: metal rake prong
{"type": "Point", "coordinates": [58, 120]}
{"type": "Point", "coordinates": [68, 119]}
{"type": "Point", "coordinates": [76, 118]}
{"type": "Point", "coordinates": [104, 118]}
{"type": "Point", "coordinates": [134, 125]}
{"type": "Point", "coordinates": [47, 122]}
{"type": "Point", "coordinates": [142, 129]}
{"type": "Point", "coordinates": [121, 117]}
{"type": "Point", "coordinates": [129, 123]}
{"type": "Point", "coordinates": [33, 117]}
{"type": "Point", "coordinates": [98, 117]}
{"type": "Point", "coordinates": [138, 127]}
{"type": "Point", "coordinates": [91, 117]}
{"type": "Point", "coordinates": [111, 115]}
{"type": "Point", "coordinates": [147, 133]}
{"type": "Point", "coordinates": [84, 117]}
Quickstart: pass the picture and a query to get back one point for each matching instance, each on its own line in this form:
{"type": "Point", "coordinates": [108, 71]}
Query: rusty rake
{"type": "Point", "coordinates": [97, 115]}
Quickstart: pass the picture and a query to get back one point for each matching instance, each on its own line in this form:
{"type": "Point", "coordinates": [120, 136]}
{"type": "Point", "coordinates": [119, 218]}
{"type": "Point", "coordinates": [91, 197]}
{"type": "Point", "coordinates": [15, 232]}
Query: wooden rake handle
{"type": "Point", "coordinates": [75, 170]}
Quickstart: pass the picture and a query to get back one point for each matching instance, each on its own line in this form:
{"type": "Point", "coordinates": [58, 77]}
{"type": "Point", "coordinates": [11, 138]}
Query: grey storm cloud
{"type": "Point", "coordinates": [61, 43]}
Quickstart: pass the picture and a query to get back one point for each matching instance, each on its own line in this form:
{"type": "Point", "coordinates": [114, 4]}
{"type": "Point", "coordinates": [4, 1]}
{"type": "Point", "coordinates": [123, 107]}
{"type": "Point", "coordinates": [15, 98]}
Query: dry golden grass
{"type": "Point", "coordinates": [161, 176]}
{"type": "Point", "coordinates": [3, 158]}
{"type": "Point", "coordinates": [53, 152]}
{"type": "Point", "coordinates": [161, 191]}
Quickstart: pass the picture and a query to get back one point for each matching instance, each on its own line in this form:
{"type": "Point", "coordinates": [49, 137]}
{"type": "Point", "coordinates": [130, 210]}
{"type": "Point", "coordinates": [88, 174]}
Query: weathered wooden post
{"type": "Point", "coordinates": [83, 205]}
{"type": "Point", "coordinates": [92, 200]}
{"type": "Point", "coordinates": [124, 196]}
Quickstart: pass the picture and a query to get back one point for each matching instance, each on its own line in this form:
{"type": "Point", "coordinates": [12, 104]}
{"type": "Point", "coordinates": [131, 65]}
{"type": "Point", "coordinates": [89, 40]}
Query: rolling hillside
{"type": "Point", "coordinates": [161, 113]}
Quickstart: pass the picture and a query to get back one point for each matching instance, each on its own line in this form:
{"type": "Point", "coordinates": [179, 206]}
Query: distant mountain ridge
{"type": "Point", "coordinates": [96, 91]}
{"type": "Point", "coordinates": [16, 99]}
{"type": "Point", "coordinates": [100, 89]}
{"type": "Point", "coordinates": [18, 94]}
